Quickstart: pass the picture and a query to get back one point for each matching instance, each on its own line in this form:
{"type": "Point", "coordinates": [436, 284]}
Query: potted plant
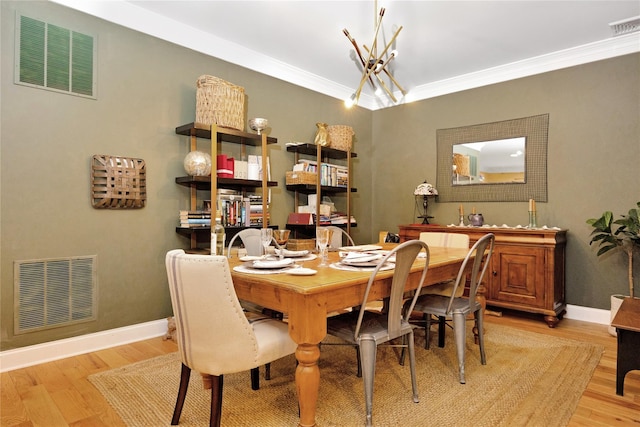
{"type": "Point", "coordinates": [622, 233]}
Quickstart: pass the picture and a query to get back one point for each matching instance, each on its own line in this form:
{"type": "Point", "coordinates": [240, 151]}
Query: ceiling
{"type": "Point", "coordinates": [443, 47]}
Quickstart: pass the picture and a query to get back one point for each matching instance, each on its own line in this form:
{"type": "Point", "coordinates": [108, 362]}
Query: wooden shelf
{"type": "Point", "coordinates": [234, 136]}
{"type": "Point", "coordinates": [311, 150]}
{"type": "Point", "coordinates": [312, 189]}
{"type": "Point", "coordinates": [204, 182]}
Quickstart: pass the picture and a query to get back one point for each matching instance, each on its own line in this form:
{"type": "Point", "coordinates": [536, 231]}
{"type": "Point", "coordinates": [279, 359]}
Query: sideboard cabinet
{"type": "Point", "coordinates": [527, 267]}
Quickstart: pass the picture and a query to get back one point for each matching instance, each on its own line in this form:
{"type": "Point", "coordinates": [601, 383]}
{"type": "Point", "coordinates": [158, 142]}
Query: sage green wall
{"type": "Point", "coordinates": [146, 87]}
{"type": "Point", "coordinates": [593, 160]}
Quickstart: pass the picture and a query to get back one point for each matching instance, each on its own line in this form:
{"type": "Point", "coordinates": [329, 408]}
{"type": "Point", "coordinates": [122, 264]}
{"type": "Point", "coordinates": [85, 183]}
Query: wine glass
{"type": "Point", "coordinates": [281, 236]}
{"type": "Point", "coordinates": [266, 236]}
{"type": "Point", "coordinates": [322, 240]}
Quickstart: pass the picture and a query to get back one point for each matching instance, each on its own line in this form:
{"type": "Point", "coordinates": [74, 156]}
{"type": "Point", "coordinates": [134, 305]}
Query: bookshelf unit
{"type": "Point", "coordinates": [219, 135]}
{"type": "Point", "coordinates": [322, 155]}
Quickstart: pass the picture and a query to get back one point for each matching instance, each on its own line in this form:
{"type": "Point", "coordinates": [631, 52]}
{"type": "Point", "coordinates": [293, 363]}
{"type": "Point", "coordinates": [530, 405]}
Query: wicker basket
{"type": "Point", "coordinates": [301, 244]}
{"type": "Point", "coordinates": [340, 137]}
{"type": "Point", "coordinates": [295, 178]}
{"type": "Point", "coordinates": [219, 102]}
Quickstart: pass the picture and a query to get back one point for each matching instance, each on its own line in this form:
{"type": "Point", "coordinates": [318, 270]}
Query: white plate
{"type": "Point", "coordinates": [302, 271]}
{"type": "Point", "coordinates": [292, 254]}
{"type": "Point", "coordinates": [278, 263]}
{"type": "Point", "coordinates": [354, 258]}
{"type": "Point", "coordinates": [250, 258]}
{"type": "Point", "coordinates": [361, 264]}
{"type": "Point", "coordinates": [361, 248]}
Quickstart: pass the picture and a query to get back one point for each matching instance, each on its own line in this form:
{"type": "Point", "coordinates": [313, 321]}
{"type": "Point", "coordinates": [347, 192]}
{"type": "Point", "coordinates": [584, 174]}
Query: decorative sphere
{"type": "Point", "coordinates": [197, 163]}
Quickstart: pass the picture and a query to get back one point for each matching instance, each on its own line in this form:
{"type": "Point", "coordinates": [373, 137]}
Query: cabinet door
{"type": "Point", "coordinates": [517, 275]}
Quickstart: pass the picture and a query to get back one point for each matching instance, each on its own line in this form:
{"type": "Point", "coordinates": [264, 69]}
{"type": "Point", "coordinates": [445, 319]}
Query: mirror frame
{"type": "Point", "coordinates": [536, 131]}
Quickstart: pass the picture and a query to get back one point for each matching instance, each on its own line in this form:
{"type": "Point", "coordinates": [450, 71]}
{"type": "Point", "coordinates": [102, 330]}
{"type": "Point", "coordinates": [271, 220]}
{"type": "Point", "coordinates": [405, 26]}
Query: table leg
{"type": "Point", "coordinates": [308, 327]}
{"type": "Point", "coordinates": [628, 358]}
{"type": "Point", "coordinates": [307, 382]}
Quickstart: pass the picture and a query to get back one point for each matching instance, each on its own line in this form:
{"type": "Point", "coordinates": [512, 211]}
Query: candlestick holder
{"type": "Point", "coordinates": [532, 219]}
{"type": "Point", "coordinates": [461, 221]}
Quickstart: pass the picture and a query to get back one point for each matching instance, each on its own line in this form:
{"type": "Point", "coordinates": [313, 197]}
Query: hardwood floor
{"type": "Point", "coordinates": [59, 394]}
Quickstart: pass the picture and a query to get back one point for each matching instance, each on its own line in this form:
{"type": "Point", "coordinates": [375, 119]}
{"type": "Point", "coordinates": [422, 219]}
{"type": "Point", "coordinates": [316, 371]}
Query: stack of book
{"type": "Point", "coordinates": [255, 211]}
{"type": "Point", "coordinates": [341, 218]}
{"type": "Point", "coordinates": [195, 219]}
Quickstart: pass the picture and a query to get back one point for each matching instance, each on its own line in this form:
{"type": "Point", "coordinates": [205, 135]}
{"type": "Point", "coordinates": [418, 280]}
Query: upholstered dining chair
{"type": "Point", "coordinates": [214, 335]}
{"type": "Point", "coordinates": [368, 329]}
{"type": "Point", "coordinates": [445, 240]}
{"type": "Point", "coordinates": [339, 237]}
{"type": "Point", "coordinates": [459, 308]}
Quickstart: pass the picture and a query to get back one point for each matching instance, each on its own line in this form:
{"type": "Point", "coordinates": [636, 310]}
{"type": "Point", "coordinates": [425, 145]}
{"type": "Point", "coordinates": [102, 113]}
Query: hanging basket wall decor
{"type": "Point", "coordinates": [118, 182]}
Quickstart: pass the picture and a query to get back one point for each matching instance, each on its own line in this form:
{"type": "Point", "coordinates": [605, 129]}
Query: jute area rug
{"type": "Point", "coordinates": [529, 380]}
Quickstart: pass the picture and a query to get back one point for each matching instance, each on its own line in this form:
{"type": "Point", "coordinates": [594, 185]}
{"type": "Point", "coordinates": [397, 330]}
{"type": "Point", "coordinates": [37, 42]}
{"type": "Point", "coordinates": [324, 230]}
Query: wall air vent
{"type": "Point", "coordinates": [55, 58]}
{"type": "Point", "coordinates": [50, 293]}
{"type": "Point", "coordinates": [626, 26]}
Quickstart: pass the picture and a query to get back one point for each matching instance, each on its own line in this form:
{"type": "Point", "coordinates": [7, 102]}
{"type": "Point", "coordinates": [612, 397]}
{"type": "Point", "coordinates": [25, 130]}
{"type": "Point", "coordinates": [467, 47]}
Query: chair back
{"type": "Point", "coordinates": [477, 251]}
{"type": "Point", "coordinates": [405, 255]}
{"type": "Point", "coordinates": [250, 238]}
{"type": "Point", "coordinates": [339, 237]}
{"type": "Point", "coordinates": [213, 333]}
{"type": "Point", "coordinates": [445, 240]}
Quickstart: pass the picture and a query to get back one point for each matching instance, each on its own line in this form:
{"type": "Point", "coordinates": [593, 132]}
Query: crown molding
{"type": "Point", "coordinates": [139, 19]}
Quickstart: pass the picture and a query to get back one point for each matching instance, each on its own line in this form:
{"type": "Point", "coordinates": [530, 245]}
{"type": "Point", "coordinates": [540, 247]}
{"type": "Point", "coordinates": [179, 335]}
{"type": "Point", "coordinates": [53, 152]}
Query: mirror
{"type": "Point", "coordinates": [498, 181]}
{"type": "Point", "coordinates": [489, 162]}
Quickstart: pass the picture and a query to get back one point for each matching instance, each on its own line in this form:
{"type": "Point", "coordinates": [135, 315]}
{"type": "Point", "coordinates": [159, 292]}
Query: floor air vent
{"type": "Point", "coordinates": [54, 292]}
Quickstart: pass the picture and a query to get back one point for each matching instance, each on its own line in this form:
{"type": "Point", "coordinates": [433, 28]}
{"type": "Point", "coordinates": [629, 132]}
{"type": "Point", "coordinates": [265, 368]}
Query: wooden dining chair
{"type": "Point", "coordinates": [366, 329]}
{"type": "Point", "coordinates": [214, 335]}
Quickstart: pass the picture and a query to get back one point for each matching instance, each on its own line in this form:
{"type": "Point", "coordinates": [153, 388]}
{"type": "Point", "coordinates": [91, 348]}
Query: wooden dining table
{"type": "Point", "coordinates": [307, 300]}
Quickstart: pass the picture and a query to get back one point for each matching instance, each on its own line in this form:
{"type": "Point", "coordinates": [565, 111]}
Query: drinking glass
{"type": "Point", "coordinates": [322, 240]}
{"type": "Point", "coordinates": [281, 236]}
{"type": "Point", "coordinates": [266, 236]}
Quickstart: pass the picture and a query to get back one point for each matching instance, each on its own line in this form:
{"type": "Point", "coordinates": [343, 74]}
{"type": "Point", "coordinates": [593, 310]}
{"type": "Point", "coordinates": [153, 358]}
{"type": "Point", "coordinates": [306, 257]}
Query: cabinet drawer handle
{"type": "Point", "coordinates": [495, 273]}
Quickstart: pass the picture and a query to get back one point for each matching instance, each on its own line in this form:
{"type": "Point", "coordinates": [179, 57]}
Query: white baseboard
{"type": "Point", "coordinates": [588, 314]}
{"type": "Point", "coordinates": [47, 352]}
{"type": "Point", "coordinates": [54, 350]}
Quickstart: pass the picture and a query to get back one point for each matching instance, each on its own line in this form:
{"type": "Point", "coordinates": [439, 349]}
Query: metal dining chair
{"type": "Point", "coordinates": [445, 240]}
{"type": "Point", "coordinates": [214, 335]}
{"type": "Point", "coordinates": [366, 330]}
{"type": "Point", "coordinates": [458, 308]}
{"type": "Point", "coordinates": [250, 238]}
{"type": "Point", "coordinates": [339, 237]}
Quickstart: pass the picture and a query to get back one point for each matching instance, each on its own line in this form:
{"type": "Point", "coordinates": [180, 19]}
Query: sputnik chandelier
{"type": "Point", "coordinates": [373, 63]}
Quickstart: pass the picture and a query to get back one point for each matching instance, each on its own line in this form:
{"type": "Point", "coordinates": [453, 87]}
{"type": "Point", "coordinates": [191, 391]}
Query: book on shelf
{"type": "Point", "coordinates": [340, 218]}
{"type": "Point", "coordinates": [330, 175]}
{"type": "Point", "coordinates": [300, 218]}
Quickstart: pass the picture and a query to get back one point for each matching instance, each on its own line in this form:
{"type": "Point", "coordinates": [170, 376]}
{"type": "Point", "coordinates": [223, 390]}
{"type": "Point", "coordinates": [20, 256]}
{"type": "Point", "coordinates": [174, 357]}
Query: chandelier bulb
{"type": "Point", "coordinates": [394, 53]}
{"type": "Point", "coordinates": [350, 102]}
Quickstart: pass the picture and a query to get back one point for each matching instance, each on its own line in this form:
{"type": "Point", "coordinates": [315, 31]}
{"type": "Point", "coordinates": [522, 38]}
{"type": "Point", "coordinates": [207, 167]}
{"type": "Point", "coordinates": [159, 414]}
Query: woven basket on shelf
{"type": "Point", "coordinates": [301, 244]}
{"type": "Point", "coordinates": [298, 177]}
{"type": "Point", "coordinates": [340, 137]}
{"type": "Point", "coordinates": [219, 102]}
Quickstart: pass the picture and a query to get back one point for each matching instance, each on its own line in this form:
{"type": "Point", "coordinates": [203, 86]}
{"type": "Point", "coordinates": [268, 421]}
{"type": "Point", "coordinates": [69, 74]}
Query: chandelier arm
{"type": "Point", "coordinates": [366, 75]}
{"type": "Point", "coordinates": [395, 82]}
{"type": "Point", "coordinates": [386, 89]}
{"type": "Point", "coordinates": [390, 42]}
{"type": "Point", "coordinates": [374, 45]}
{"type": "Point", "coordinates": [358, 52]}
